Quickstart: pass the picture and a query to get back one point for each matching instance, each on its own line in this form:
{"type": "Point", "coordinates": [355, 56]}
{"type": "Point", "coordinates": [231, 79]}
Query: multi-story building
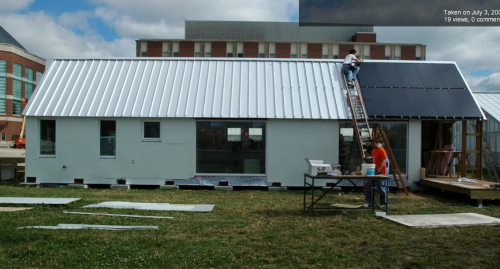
{"type": "Point", "coordinates": [277, 40]}
{"type": "Point", "coordinates": [20, 72]}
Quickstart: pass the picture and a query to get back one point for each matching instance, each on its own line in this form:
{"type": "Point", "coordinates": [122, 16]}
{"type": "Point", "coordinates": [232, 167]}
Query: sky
{"type": "Point", "coordinates": [109, 28]}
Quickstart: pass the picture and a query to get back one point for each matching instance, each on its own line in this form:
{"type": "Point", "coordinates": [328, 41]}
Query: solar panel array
{"type": "Point", "coordinates": [416, 91]}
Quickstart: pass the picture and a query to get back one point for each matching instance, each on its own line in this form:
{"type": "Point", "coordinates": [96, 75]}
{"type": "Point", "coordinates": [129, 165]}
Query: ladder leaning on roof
{"type": "Point", "coordinates": [363, 133]}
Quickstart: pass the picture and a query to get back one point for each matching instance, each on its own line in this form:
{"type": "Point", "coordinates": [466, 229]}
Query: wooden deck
{"type": "Point", "coordinates": [477, 190]}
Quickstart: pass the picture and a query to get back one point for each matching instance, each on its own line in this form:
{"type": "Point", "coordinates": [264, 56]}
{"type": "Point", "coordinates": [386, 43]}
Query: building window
{"type": "Point", "coordinates": [38, 77]}
{"type": "Point", "coordinates": [397, 58]}
{"type": "Point", "coordinates": [176, 54]}
{"type": "Point", "coordinates": [108, 138]}
{"type": "Point", "coordinates": [28, 84]}
{"type": "Point", "coordinates": [325, 56]}
{"type": "Point", "coordinates": [230, 147]}
{"type": "Point", "coordinates": [17, 89]}
{"type": "Point", "coordinates": [3, 86]}
{"type": "Point", "coordinates": [229, 54]}
{"type": "Point", "coordinates": [151, 131]}
{"type": "Point", "coordinates": [387, 57]}
{"type": "Point", "coordinates": [335, 56]}
{"type": "Point", "coordinates": [166, 54]}
{"type": "Point", "coordinates": [294, 55]}
{"type": "Point", "coordinates": [240, 55]}
{"type": "Point", "coordinates": [262, 55]}
{"type": "Point", "coordinates": [3, 136]}
{"type": "Point", "coordinates": [48, 137]}
{"type": "Point", "coordinates": [366, 57]}
{"type": "Point", "coordinates": [304, 56]}
{"type": "Point", "coordinates": [397, 134]}
{"type": "Point", "coordinates": [197, 54]}
{"type": "Point", "coordinates": [272, 55]}
{"type": "Point", "coordinates": [208, 54]}
{"type": "Point", "coordinates": [417, 58]}
{"type": "Point", "coordinates": [144, 54]}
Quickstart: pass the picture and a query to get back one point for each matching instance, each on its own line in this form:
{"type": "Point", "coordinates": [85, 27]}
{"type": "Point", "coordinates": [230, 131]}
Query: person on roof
{"type": "Point", "coordinates": [349, 67]}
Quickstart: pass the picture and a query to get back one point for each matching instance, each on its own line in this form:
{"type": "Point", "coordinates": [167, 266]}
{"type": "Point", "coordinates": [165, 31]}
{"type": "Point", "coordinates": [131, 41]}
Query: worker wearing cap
{"type": "Point", "coordinates": [379, 159]}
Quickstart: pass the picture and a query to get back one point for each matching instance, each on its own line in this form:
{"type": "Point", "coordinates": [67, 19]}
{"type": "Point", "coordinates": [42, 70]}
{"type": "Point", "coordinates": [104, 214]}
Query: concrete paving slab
{"type": "Point", "coordinates": [169, 187]}
{"type": "Point", "coordinates": [119, 187]}
{"type": "Point", "coordinates": [444, 220]}
{"type": "Point", "coordinates": [37, 200]}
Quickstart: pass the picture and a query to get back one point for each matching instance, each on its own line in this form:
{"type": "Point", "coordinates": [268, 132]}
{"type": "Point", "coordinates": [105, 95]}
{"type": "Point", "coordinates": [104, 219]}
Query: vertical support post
{"type": "Point", "coordinates": [463, 156]}
{"type": "Point", "coordinates": [440, 136]}
{"type": "Point", "coordinates": [479, 147]}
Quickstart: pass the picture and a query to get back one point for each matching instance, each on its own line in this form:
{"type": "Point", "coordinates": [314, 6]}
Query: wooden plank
{"type": "Point", "coordinates": [485, 194]}
{"type": "Point", "coordinates": [464, 149]}
{"type": "Point", "coordinates": [473, 151]}
{"type": "Point", "coordinates": [473, 134]}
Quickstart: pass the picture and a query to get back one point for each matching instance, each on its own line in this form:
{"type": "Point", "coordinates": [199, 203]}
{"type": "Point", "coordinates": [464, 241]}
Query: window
{"type": "Point", "coordinates": [166, 54]}
{"type": "Point", "coordinates": [151, 131]}
{"type": "Point", "coordinates": [397, 134]}
{"type": "Point", "coordinates": [335, 56]}
{"type": "Point", "coordinates": [176, 54]}
{"type": "Point", "coordinates": [397, 58]}
{"type": "Point", "coordinates": [197, 54]}
{"type": "Point", "coordinates": [234, 147]}
{"type": "Point", "coordinates": [229, 54]}
{"type": "Point", "coordinates": [294, 55]}
{"type": "Point", "coordinates": [3, 86]}
{"type": "Point", "coordinates": [387, 57]}
{"type": "Point", "coordinates": [272, 55]}
{"type": "Point", "coordinates": [17, 89]}
{"type": "Point", "coordinates": [417, 58]}
{"type": "Point", "coordinates": [240, 55]}
{"type": "Point", "coordinates": [325, 56]}
{"type": "Point", "coordinates": [108, 138]}
{"type": "Point", "coordinates": [304, 56]}
{"type": "Point", "coordinates": [208, 54]}
{"type": "Point", "coordinates": [38, 76]}
{"type": "Point", "coordinates": [144, 54]}
{"type": "Point", "coordinates": [48, 137]}
{"type": "Point", "coordinates": [366, 57]}
{"type": "Point", "coordinates": [28, 84]}
{"type": "Point", "coordinates": [3, 136]}
{"type": "Point", "coordinates": [262, 55]}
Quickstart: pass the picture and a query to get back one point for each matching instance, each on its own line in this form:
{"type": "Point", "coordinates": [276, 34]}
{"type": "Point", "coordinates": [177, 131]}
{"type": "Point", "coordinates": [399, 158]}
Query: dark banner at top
{"type": "Point", "coordinates": [399, 12]}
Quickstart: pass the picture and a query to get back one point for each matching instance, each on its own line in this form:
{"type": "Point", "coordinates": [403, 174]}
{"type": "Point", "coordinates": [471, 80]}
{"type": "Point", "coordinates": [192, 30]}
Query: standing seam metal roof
{"type": "Point", "coordinates": [191, 88]}
{"type": "Point", "coordinates": [490, 102]}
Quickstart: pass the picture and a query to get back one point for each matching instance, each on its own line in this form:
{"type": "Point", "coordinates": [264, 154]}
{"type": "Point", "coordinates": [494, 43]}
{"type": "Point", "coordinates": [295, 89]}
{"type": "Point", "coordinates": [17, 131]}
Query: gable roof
{"type": "Point", "coordinates": [245, 88]}
{"type": "Point", "coordinates": [6, 38]}
{"type": "Point", "coordinates": [489, 102]}
{"type": "Point", "coordinates": [190, 87]}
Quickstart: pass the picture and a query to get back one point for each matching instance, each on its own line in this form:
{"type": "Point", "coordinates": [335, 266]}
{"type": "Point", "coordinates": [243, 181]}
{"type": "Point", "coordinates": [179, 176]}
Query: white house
{"type": "Point", "coordinates": [152, 120]}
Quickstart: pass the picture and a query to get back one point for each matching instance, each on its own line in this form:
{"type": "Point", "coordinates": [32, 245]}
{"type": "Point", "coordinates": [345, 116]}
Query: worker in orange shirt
{"type": "Point", "coordinates": [379, 159]}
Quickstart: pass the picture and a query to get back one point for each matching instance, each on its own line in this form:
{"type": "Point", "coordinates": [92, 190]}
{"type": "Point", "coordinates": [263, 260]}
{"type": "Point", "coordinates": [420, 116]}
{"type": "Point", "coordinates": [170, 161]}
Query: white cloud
{"type": "Point", "coordinates": [481, 84]}
{"type": "Point", "coordinates": [13, 5]}
{"type": "Point", "coordinates": [40, 34]}
{"type": "Point", "coordinates": [76, 20]}
{"type": "Point", "coordinates": [165, 19]}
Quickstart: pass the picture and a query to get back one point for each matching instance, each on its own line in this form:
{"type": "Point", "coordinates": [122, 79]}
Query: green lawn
{"type": "Point", "coordinates": [246, 229]}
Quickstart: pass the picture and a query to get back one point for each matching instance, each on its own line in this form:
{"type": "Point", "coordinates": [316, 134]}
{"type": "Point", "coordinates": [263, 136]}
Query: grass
{"type": "Point", "coordinates": [246, 229]}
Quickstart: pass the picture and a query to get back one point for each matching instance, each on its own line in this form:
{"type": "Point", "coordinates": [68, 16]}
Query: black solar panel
{"type": "Point", "coordinates": [389, 75]}
{"type": "Point", "coordinates": [368, 75]}
{"type": "Point", "coordinates": [409, 75]}
{"type": "Point", "coordinates": [451, 76]}
{"type": "Point", "coordinates": [465, 103]}
{"type": "Point", "coordinates": [398, 102]}
{"type": "Point", "coordinates": [420, 103]}
{"type": "Point", "coordinates": [430, 76]}
{"type": "Point", "coordinates": [442, 102]}
{"type": "Point", "coordinates": [376, 102]}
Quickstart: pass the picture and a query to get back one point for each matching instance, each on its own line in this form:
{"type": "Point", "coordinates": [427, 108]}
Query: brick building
{"type": "Point", "coordinates": [20, 72]}
{"type": "Point", "coordinates": [276, 40]}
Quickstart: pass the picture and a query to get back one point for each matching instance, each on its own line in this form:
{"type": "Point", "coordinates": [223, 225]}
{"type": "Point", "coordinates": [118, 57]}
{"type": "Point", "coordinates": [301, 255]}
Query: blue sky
{"type": "Point", "coordinates": [109, 28]}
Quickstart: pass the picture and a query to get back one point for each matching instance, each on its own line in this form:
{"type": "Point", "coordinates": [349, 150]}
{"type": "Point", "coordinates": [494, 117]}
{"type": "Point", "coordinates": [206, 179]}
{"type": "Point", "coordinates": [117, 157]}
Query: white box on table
{"type": "Point", "coordinates": [317, 166]}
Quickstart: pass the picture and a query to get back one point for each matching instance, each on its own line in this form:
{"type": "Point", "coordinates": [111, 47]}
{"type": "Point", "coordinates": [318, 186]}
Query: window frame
{"type": "Point", "coordinates": [146, 139]}
{"type": "Point", "coordinates": [40, 155]}
{"type": "Point", "coordinates": [108, 157]}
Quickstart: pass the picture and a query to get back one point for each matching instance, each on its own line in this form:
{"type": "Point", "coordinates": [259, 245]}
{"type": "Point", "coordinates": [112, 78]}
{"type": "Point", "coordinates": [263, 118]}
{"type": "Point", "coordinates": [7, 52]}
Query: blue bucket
{"type": "Point", "coordinates": [370, 171]}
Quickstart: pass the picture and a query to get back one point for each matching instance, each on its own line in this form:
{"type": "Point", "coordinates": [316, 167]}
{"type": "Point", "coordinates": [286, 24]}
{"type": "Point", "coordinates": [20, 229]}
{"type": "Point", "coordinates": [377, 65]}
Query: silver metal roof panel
{"type": "Point", "coordinates": [489, 102]}
{"type": "Point", "coordinates": [191, 88]}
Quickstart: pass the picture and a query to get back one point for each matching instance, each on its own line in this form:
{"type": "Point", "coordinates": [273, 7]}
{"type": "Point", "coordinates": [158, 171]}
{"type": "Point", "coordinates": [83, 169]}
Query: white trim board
{"type": "Point", "coordinates": [154, 206]}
